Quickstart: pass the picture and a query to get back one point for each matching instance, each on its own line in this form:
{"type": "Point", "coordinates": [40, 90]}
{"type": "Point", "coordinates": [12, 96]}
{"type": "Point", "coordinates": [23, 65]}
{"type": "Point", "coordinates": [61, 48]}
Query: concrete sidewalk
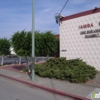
{"type": "Point", "coordinates": [71, 89]}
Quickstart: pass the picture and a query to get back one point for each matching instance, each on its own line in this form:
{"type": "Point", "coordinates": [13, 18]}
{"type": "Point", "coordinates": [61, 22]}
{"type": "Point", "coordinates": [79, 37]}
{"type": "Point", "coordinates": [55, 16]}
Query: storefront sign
{"type": "Point", "coordinates": [85, 26]}
{"type": "Point", "coordinates": [90, 33]}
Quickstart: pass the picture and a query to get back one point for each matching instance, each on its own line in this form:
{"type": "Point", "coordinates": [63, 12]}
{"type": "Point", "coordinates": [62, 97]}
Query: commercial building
{"type": "Point", "coordinates": [80, 37]}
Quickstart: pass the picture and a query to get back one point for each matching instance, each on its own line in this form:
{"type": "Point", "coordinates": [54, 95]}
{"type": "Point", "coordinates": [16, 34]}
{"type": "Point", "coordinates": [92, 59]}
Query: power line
{"type": "Point", "coordinates": [63, 6]}
{"type": "Point", "coordinates": [58, 15]}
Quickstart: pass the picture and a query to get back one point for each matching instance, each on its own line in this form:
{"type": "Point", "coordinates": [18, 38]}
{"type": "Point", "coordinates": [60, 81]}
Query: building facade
{"type": "Point", "coordinates": [80, 37]}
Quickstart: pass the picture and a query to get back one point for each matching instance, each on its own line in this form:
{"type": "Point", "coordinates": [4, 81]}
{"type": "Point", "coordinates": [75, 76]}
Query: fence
{"type": "Point", "coordinates": [42, 59]}
{"type": "Point", "coordinates": [13, 60]}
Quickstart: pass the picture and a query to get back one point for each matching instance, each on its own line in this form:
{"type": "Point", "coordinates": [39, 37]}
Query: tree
{"type": "Point", "coordinates": [50, 43]}
{"type": "Point", "coordinates": [39, 43]}
{"type": "Point", "coordinates": [57, 48]}
{"type": "Point", "coordinates": [4, 48]}
{"type": "Point", "coordinates": [46, 44]}
{"type": "Point", "coordinates": [22, 43]}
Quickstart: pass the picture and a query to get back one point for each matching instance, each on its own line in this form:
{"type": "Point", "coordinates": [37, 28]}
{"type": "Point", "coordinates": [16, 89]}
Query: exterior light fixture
{"type": "Point", "coordinates": [57, 18]}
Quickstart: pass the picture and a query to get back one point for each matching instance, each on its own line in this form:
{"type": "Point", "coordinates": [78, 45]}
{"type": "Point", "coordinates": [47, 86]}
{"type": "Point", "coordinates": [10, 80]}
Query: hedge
{"type": "Point", "coordinates": [74, 70]}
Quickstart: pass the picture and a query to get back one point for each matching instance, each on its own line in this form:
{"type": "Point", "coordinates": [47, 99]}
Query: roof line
{"type": "Point", "coordinates": [96, 10]}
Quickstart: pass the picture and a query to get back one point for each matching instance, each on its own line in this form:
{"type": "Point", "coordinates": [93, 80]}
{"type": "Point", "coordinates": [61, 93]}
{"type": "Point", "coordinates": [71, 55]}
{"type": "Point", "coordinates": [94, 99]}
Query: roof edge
{"type": "Point", "coordinates": [96, 10]}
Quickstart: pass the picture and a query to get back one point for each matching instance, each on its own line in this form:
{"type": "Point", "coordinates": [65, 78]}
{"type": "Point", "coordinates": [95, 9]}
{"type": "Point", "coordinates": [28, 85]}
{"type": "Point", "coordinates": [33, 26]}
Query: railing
{"type": "Point", "coordinates": [37, 59]}
{"type": "Point", "coordinates": [14, 60]}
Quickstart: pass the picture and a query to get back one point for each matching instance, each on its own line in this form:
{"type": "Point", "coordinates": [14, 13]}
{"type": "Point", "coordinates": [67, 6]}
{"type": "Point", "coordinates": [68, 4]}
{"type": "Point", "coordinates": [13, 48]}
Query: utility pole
{"type": "Point", "coordinates": [33, 40]}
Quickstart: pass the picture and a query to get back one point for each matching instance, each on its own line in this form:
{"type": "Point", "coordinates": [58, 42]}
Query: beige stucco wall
{"type": "Point", "coordinates": [74, 45]}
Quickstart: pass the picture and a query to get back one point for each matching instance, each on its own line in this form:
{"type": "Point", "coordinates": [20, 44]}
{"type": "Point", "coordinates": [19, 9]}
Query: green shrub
{"type": "Point", "coordinates": [74, 70]}
{"type": "Point", "coordinates": [25, 69]}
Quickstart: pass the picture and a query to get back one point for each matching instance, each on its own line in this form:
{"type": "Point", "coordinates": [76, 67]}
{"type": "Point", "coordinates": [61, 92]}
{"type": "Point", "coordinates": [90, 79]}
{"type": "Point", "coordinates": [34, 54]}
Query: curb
{"type": "Point", "coordinates": [48, 89]}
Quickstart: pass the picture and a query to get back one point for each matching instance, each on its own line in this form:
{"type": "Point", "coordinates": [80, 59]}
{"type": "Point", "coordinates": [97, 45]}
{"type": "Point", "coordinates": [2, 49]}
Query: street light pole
{"type": "Point", "coordinates": [33, 44]}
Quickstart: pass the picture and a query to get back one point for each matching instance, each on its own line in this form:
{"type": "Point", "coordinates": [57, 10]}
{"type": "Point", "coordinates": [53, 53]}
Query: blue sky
{"type": "Point", "coordinates": [16, 15]}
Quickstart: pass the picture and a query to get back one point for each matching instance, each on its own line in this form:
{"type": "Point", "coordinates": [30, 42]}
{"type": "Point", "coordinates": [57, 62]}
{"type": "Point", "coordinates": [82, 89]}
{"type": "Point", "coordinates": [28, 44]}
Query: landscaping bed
{"type": "Point", "coordinates": [74, 70]}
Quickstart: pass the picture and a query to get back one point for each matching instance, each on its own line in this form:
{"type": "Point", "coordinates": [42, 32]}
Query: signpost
{"type": "Point", "coordinates": [33, 44]}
